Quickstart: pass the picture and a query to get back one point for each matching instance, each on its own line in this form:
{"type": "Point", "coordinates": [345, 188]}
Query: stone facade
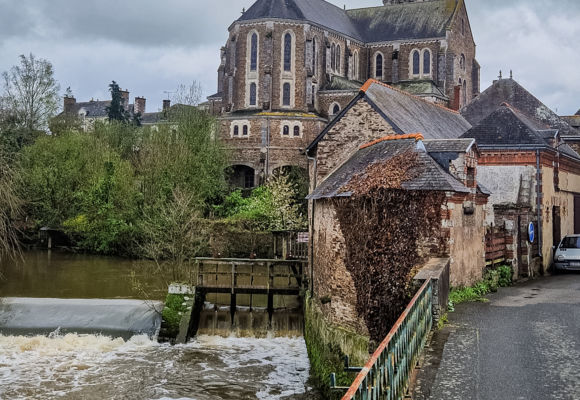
{"type": "Point", "coordinates": [277, 63]}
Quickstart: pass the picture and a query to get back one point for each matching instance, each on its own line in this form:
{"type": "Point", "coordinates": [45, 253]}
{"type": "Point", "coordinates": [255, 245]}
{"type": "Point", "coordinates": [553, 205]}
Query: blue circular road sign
{"type": "Point", "coordinates": [531, 232]}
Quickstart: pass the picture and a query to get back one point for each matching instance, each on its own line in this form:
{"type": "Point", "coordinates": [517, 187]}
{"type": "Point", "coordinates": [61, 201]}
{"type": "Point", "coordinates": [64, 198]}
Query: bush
{"type": "Point", "coordinates": [500, 277]}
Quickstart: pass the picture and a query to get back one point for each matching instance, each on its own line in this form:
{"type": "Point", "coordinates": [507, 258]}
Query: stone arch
{"type": "Point", "coordinates": [241, 176]}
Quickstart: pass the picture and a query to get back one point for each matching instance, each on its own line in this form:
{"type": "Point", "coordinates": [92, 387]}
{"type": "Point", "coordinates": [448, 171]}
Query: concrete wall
{"type": "Point", "coordinates": [466, 243]}
{"type": "Point", "coordinates": [504, 182]}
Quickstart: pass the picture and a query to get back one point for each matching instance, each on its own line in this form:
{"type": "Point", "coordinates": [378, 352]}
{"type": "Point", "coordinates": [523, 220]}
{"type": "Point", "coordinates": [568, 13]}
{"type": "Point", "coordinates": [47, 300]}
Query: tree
{"type": "Point", "coordinates": [116, 110]}
{"type": "Point", "coordinates": [9, 208]}
{"type": "Point", "coordinates": [188, 95]}
{"type": "Point", "coordinates": [31, 93]}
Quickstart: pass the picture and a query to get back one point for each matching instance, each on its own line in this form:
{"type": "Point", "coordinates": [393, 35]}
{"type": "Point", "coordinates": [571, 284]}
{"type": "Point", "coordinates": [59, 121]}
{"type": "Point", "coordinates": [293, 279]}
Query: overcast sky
{"type": "Point", "coordinates": [150, 47]}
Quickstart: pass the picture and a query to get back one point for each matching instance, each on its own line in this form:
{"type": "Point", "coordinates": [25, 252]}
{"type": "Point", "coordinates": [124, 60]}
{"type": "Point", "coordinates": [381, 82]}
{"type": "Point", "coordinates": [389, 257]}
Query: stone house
{"type": "Point", "coordinates": [532, 172]}
{"type": "Point", "coordinates": [380, 112]}
{"type": "Point", "coordinates": [96, 110]}
{"type": "Point", "coordinates": [289, 66]}
{"type": "Point", "coordinates": [446, 166]}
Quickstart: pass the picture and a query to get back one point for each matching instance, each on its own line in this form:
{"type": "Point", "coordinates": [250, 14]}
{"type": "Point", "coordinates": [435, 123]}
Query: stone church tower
{"type": "Point", "coordinates": [290, 65]}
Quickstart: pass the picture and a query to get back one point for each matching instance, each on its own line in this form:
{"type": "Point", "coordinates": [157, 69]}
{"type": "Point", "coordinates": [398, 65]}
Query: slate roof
{"type": "Point", "coordinates": [94, 109]}
{"type": "Point", "coordinates": [413, 114]}
{"type": "Point", "coordinates": [511, 92]}
{"type": "Point", "coordinates": [405, 113]}
{"type": "Point", "coordinates": [340, 83]}
{"type": "Point", "coordinates": [449, 145]}
{"type": "Point", "coordinates": [317, 11]}
{"type": "Point", "coordinates": [420, 88]}
{"type": "Point", "coordinates": [509, 127]}
{"type": "Point", "coordinates": [420, 20]}
{"type": "Point", "coordinates": [430, 177]}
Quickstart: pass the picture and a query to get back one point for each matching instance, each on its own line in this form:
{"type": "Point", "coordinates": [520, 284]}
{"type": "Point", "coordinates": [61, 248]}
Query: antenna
{"type": "Point", "coordinates": [167, 92]}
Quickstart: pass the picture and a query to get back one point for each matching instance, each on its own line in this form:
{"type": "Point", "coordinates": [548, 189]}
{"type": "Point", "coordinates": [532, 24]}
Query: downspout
{"type": "Point", "coordinates": [539, 201]}
{"type": "Point", "coordinates": [311, 238]}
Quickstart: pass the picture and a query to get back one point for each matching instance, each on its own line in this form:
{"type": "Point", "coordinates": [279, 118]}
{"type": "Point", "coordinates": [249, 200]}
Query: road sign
{"type": "Point", "coordinates": [531, 232]}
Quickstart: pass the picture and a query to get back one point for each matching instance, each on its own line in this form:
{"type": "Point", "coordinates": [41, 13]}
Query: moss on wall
{"type": "Point", "coordinates": [172, 312]}
{"type": "Point", "coordinates": [327, 345]}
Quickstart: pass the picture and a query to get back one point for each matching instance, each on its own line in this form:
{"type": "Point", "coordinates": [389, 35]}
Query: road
{"type": "Point", "coordinates": [524, 344]}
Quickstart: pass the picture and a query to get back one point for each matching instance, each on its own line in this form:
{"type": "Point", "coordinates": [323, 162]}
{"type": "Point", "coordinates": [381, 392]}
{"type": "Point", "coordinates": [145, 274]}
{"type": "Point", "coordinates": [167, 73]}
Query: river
{"type": "Point", "coordinates": [69, 365]}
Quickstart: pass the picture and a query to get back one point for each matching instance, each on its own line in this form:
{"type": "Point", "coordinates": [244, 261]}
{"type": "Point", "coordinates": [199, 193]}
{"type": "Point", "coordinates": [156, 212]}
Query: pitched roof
{"type": "Point", "coordinates": [449, 145]}
{"type": "Point", "coordinates": [419, 20]}
{"type": "Point", "coordinates": [414, 114]}
{"type": "Point", "coordinates": [93, 109]}
{"type": "Point", "coordinates": [511, 92]}
{"type": "Point", "coordinates": [317, 11]}
{"type": "Point", "coordinates": [405, 113]}
{"type": "Point", "coordinates": [430, 175]}
{"type": "Point", "coordinates": [506, 126]}
{"type": "Point", "coordinates": [340, 83]}
{"type": "Point", "coordinates": [420, 88]}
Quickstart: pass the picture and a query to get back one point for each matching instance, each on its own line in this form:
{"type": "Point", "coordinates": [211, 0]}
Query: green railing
{"type": "Point", "coordinates": [386, 374]}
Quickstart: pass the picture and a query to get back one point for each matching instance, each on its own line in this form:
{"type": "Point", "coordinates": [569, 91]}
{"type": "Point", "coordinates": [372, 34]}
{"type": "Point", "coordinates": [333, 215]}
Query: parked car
{"type": "Point", "coordinates": [567, 254]}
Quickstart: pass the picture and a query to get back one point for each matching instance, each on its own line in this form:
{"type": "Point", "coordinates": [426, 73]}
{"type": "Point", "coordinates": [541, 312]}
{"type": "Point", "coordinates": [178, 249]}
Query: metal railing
{"type": "Point", "coordinates": [386, 374]}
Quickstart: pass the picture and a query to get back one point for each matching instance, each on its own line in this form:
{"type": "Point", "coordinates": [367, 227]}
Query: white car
{"type": "Point", "coordinates": [567, 254]}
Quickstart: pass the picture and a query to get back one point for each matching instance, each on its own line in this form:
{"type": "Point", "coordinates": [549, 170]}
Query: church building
{"type": "Point", "coordinates": [290, 66]}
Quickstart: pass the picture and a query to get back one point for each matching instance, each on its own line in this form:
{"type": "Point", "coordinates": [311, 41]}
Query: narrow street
{"type": "Point", "coordinates": [524, 344]}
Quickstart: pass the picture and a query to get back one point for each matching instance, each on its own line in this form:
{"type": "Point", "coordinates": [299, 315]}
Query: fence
{"type": "Point", "coordinates": [386, 374]}
{"type": "Point", "coordinates": [495, 246]}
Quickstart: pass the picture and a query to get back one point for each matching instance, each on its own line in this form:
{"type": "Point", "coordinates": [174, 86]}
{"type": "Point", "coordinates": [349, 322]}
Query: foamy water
{"type": "Point", "coordinates": [98, 367]}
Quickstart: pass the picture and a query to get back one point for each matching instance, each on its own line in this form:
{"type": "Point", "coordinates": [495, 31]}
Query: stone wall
{"type": "Point", "coordinates": [332, 281]}
{"type": "Point", "coordinates": [360, 125]}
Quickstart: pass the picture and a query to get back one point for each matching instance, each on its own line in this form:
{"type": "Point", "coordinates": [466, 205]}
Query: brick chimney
{"type": "Point", "coordinates": [69, 104]}
{"type": "Point", "coordinates": [455, 103]}
{"type": "Point", "coordinates": [125, 99]}
{"type": "Point", "coordinates": [166, 104]}
{"type": "Point", "coordinates": [139, 107]}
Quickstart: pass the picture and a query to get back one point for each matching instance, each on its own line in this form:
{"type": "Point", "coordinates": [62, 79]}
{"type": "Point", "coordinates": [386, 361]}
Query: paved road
{"type": "Point", "coordinates": [524, 344]}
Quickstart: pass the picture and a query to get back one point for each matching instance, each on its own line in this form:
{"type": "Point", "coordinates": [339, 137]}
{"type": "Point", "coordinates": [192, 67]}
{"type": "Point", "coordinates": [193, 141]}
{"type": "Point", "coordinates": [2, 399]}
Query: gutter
{"type": "Point", "coordinates": [539, 201]}
{"type": "Point", "coordinates": [311, 236]}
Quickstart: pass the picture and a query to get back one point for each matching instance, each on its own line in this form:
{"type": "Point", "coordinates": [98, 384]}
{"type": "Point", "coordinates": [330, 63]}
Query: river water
{"type": "Point", "coordinates": [67, 365]}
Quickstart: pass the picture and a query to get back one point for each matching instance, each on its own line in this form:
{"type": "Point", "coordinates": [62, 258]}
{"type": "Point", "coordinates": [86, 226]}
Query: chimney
{"type": "Point", "coordinates": [125, 99]}
{"type": "Point", "coordinates": [166, 104]}
{"type": "Point", "coordinates": [139, 107]}
{"type": "Point", "coordinates": [456, 98]}
{"type": "Point", "coordinates": [69, 104]}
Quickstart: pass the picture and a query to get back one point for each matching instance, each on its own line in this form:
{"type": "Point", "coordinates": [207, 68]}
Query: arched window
{"type": "Point", "coordinates": [335, 109]}
{"type": "Point", "coordinates": [286, 130]}
{"type": "Point", "coordinates": [462, 62]}
{"type": "Point", "coordinates": [426, 62]}
{"type": "Point", "coordinates": [313, 94]}
{"type": "Point", "coordinates": [333, 57]}
{"type": "Point", "coordinates": [416, 62]}
{"type": "Point", "coordinates": [338, 59]}
{"type": "Point", "coordinates": [379, 66]}
{"type": "Point", "coordinates": [236, 130]}
{"type": "Point", "coordinates": [245, 130]}
{"type": "Point", "coordinates": [287, 52]}
{"type": "Point", "coordinates": [355, 66]}
{"type": "Point", "coordinates": [464, 93]}
{"type": "Point", "coordinates": [314, 56]}
{"type": "Point", "coordinates": [252, 94]}
{"type": "Point", "coordinates": [296, 130]}
{"type": "Point", "coordinates": [254, 52]}
{"type": "Point", "coordinates": [286, 94]}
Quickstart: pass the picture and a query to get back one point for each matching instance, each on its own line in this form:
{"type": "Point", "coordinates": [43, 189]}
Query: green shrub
{"type": "Point", "coordinates": [500, 277]}
{"type": "Point", "coordinates": [505, 276]}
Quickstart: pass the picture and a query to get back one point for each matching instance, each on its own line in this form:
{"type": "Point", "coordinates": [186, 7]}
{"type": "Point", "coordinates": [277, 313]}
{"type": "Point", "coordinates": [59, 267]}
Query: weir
{"type": "Point", "coordinates": [241, 296]}
{"type": "Point", "coordinates": [117, 318]}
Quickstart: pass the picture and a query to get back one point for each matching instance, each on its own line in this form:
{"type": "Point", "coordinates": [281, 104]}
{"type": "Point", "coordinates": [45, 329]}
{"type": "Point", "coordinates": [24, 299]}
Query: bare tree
{"type": "Point", "coordinates": [188, 95]}
{"type": "Point", "coordinates": [31, 92]}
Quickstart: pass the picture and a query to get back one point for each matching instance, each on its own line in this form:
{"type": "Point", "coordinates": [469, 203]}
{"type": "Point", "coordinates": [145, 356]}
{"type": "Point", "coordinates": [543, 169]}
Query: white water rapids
{"type": "Point", "coordinates": [89, 367]}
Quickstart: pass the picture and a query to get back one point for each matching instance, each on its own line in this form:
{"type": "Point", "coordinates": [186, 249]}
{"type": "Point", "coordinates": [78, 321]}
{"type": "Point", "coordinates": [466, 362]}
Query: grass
{"type": "Point", "coordinates": [499, 277]}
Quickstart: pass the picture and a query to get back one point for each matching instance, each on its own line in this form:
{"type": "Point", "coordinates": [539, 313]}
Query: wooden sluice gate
{"type": "Point", "coordinates": [249, 292]}
{"type": "Point", "coordinates": [248, 297]}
